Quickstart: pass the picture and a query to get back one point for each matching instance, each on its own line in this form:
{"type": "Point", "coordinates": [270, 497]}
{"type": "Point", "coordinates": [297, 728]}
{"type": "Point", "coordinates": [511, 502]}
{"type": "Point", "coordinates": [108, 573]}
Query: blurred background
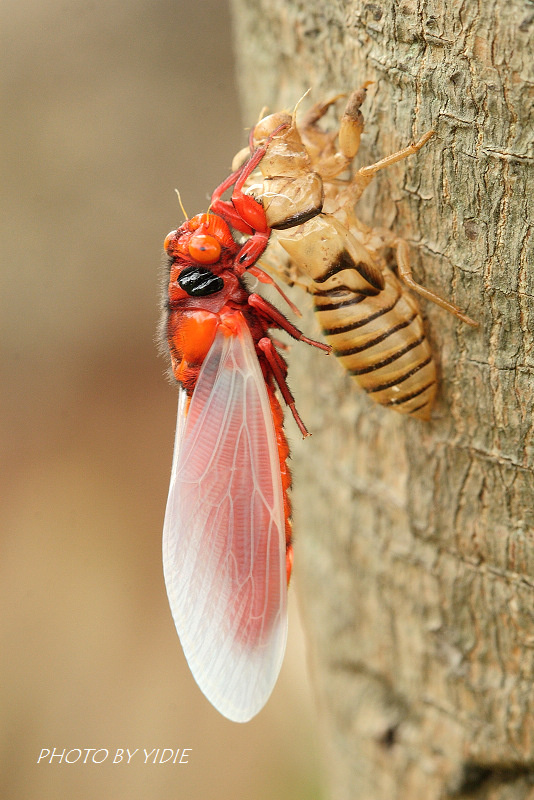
{"type": "Point", "coordinates": [107, 108]}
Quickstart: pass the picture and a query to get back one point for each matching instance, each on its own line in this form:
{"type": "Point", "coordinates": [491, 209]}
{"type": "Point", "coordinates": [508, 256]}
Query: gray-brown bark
{"type": "Point", "coordinates": [415, 545]}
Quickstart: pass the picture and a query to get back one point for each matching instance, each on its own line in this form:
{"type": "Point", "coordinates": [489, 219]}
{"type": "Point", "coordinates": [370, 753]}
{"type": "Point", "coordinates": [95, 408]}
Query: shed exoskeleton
{"type": "Point", "coordinates": [363, 306]}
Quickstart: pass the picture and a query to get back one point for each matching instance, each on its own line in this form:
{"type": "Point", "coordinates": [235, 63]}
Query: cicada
{"type": "Point", "coordinates": [227, 550]}
{"type": "Point", "coordinates": [364, 307]}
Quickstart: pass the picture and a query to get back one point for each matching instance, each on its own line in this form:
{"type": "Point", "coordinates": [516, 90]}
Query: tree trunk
{"type": "Point", "coordinates": [414, 540]}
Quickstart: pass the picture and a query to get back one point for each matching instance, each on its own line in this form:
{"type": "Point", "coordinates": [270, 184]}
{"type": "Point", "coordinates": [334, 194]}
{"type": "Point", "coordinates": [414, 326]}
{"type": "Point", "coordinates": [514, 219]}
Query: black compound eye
{"type": "Point", "coordinates": [199, 282]}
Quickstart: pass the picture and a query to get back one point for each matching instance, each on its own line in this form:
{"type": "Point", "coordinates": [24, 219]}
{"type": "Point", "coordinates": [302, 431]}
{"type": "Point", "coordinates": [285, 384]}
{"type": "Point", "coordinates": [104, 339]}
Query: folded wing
{"type": "Point", "coordinates": [223, 539]}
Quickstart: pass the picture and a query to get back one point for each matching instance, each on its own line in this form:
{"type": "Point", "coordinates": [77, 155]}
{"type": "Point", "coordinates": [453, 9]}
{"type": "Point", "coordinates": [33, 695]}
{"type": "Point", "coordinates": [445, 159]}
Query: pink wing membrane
{"type": "Point", "coordinates": [223, 538]}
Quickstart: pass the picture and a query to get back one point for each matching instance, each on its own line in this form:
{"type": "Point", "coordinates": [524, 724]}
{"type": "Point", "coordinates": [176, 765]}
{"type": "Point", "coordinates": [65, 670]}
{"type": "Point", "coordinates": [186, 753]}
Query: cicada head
{"type": "Point", "coordinates": [200, 240]}
{"type": "Point", "coordinates": [286, 155]}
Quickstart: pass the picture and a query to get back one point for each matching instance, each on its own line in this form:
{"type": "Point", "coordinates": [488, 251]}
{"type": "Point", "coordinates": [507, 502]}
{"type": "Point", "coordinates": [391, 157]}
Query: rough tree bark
{"type": "Point", "coordinates": [415, 545]}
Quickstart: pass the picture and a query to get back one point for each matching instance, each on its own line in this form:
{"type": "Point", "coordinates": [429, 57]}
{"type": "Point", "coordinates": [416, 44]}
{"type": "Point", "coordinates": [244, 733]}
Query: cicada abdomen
{"type": "Point", "coordinates": [381, 342]}
{"type": "Point", "coordinates": [365, 311]}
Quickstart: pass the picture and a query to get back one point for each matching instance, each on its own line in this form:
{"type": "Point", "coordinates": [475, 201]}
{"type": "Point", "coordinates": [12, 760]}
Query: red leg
{"type": "Point", "coordinates": [279, 371]}
{"type": "Point", "coordinates": [264, 277]}
{"type": "Point", "coordinates": [249, 208]}
{"type": "Point", "coordinates": [279, 344]}
{"type": "Point", "coordinates": [243, 212]}
{"type": "Point", "coordinates": [251, 250]}
{"type": "Point", "coordinates": [225, 208]}
{"type": "Point", "coordinates": [289, 561]}
{"type": "Point", "coordinates": [274, 357]}
{"type": "Point", "coordinates": [272, 314]}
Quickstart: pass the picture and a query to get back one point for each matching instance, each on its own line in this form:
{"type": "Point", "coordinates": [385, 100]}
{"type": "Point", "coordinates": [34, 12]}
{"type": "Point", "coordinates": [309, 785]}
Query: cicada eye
{"type": "Point", "coordinates": [167, 241]}
{"type": "Point", "coordinates": [204, 248]}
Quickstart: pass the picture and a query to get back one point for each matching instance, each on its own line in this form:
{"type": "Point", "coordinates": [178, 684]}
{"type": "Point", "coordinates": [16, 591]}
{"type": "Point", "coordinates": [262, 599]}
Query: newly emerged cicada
{"type": "Point", "coordinates": [363, 307]}
{"type": "Point", "coordinates": [227, 546]}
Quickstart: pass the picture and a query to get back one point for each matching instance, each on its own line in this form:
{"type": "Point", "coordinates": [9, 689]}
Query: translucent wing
{"type": "Point", "coordinates": [223, 538]}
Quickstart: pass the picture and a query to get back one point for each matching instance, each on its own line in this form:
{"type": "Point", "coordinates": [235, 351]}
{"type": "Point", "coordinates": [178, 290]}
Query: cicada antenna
{"type": "Point", "coordinates": [297, 104]}
{"type": "Point", "coordinates": [184, 212]}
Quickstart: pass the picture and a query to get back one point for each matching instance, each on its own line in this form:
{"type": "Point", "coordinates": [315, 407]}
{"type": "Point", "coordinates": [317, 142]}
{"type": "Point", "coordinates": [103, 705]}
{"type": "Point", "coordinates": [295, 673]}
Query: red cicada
{"type": "Point", "coordinates": [227, 535]}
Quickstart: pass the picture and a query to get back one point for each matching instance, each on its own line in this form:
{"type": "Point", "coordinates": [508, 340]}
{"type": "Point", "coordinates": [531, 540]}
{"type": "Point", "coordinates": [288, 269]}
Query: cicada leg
{"type": "Point", "coordinates": [347, 197]}
{"type": "Point", "coordinates": [243, 212]}
{"type": "Point", "coordinates": [279, 370]}
{"type": "Point", "coordinates": [276, 363]}
{"type": "Point", "coordinates": [331, 161]}
{"type": "Point", "coordinates": [278, 320]}
{"type": "Point", "coordinates": [371, 169]}
{"type": "Point", "coordinates": [285, 271]}
{"type": "Point", "coordinates": [405, 274]}
{"type": "Point", "coordinates": [365, 175]}
{"type": "Point", "coordinates": [318, 110]}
